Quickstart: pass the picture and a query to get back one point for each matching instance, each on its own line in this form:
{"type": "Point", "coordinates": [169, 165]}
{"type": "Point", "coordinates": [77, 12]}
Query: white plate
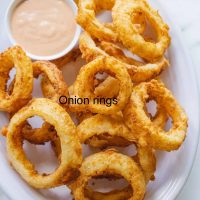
{"type": "Point", "coordinates": [172, 168]}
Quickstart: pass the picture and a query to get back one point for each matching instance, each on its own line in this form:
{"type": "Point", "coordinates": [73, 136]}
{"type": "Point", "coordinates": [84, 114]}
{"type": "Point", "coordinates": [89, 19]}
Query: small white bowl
{"type": "Point", "coordinates": [9, 12]}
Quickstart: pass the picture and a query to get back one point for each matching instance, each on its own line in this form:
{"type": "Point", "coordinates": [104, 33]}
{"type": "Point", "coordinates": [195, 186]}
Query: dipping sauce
{"type": "Point", "coordinates": [43, 27]}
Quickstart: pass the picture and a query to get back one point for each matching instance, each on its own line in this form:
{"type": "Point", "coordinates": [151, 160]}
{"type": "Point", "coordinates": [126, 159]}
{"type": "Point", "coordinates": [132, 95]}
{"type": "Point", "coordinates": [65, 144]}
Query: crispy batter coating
{"type": "Point", "coordinates": [71, 152]}
{"type": "Point", "coordinates": [22, 88]}
{"type": "Point", "coordinates": [53, 86]}
{"type": "Point", "coordinates": [138, 71]}
{"type": "Point", "coordinates": [99, 130]}
{"type": "Point", "coordinates": [109, 163]}
{"type": "Point", "coordinates": [53, 83]}
{"type": "Point", "coordinates": [122, 14]}
{"type": "Point", "coordinates": [87, 10]}
{"type": "Point", "coordinates": [71, 56]}
{"type": "Point", "coordinates": [84, 85]}
{"type": "Point", "coordinates": [140, 123]}
{"type": "Point", "coordinates": [102, 131]}
{"type": "Point", "coordinates": [109, 88]}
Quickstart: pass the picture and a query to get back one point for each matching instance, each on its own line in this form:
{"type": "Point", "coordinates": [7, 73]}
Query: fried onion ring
{"type": "Point", "coordinates": [84, 85]}
{"type": "Point", "coordinates": [22, 88]}
{"type": "Point", "coordinates": [139, 122]}
{"type": "Point", "coordinates": [53, 86]}
{"type": "Point", "coordinates": [109, 88]}
{"type": "Point", "coordinates": [109, 163]}
{"type": "Point", "coordinates": [116, 133]}
{"type": "Point", "coordinates": [71, 56]}
{"type": "Point", "coordinates": [109, 131]}
{"type": "Point", "coordinates": [53, 83]}
{"type": "Point", "coordinates": [123, 11]}
{"type": "Point", "coordinates": [71, 152]}
{"type": "Point", "coordinates": [138, 71]}
{"type": "Point", "coordinates": [87, 10]}
{"type": "Point", "coordinates": [146, 159]}
{"type": "Point", "coordinates": [113, 195]}
{"type": "Point", "coordinates": [102, 131]}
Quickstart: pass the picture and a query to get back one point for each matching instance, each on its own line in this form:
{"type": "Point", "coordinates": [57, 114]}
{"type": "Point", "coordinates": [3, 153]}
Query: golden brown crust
{"type": "Point", "coordinates": [53, 86]}
{"type": "Point", "coordinates": [87, 10]}
{"type": "Point", "coordinates": [84, 85]}
{"type": "Point", "coordinates": [102, 131]}
{"type": "Point", "coordinates": [71, 56]}
{"type": "Point", "coordinates": [147, 132]}
{"type": "Point", "coordinates": [138, 71]}
{"type": "Point", "coordinates": [109, 163]}
{"type": "Point", "coordinates": [71, 153]}
{"type": "Point", "coordinates": [22, 88]}
{"type": "Point", "coordinates": [128, 34]}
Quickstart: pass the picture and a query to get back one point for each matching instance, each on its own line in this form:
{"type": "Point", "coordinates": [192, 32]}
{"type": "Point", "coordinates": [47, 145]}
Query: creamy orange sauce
{"type": "Point", "coordinates": [43, 27]}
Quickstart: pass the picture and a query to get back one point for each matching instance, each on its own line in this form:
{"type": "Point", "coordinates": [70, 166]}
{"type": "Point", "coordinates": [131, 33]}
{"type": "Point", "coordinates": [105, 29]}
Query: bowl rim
{"type": "Point", "coordinates": [13, 4]}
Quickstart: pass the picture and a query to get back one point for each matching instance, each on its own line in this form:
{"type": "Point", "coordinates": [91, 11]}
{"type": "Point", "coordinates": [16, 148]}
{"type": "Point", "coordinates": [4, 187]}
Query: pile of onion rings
{"type": "Point", "coordinates": [111, 73]}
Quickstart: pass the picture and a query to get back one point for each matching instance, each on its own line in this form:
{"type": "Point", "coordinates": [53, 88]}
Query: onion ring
{"type": "Point", "coordinates": [114, 133]}
{"type": "Point", "coordinates": [99, 131]}
{"type": "Point", "coordinates": [53, 86]}
{"type": "Point", "coordinates": [71, 153]}
{"type": "Point", "coordinates": [123, 11]}
{"type": "Point", "coordinates": [138, 71]}
{"type": "Point", "coordinates": [22, 89]}
{"type": "Point", "coordinates": [146, 159]}
{"type": "Point", "coordinates": [139, 122]}
{"type": "Point", "coordinates": [113, 195]}
{"type": "Point", "coordinates": [71, 56]}
{"type": "Point", "coordinates": [109, 88]}
{"type": "Point", "coordinates": [109, 131]}
{"type": "Point", "coordinates": [109, 163]}
{"type": "Point", "coordinates": [87, 10]}
{"type": "Point", "coordinates": [83, 85]}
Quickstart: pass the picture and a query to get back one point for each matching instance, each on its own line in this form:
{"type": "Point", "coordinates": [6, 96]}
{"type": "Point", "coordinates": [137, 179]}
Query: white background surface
{"type": "Point", "coordinates": [186, 14]}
